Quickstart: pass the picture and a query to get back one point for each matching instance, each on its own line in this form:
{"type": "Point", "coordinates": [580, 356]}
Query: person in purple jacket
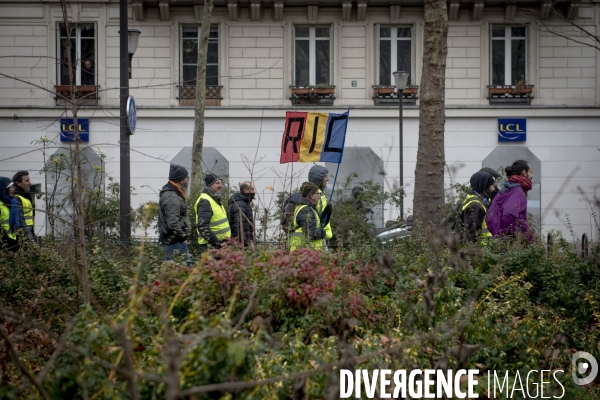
{"type": "Point", "coordinates": [507, 216]}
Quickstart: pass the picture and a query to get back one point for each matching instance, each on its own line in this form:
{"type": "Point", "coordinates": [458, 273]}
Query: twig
{"type": "Point", "coordinates": [21, 364]}
{"type": "Point", "coordinates": [121, 331]}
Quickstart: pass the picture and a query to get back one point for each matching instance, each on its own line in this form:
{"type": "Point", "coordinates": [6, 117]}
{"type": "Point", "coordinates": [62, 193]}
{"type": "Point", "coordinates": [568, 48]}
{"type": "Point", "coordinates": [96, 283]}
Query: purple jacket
{"type": "Point", "coordinates": [507, 215]}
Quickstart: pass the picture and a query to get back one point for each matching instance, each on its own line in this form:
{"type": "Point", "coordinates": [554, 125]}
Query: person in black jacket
{"type": "Point", "coordinates": [25, 204]}
{"type": "Point", "coordinates": [173, 221]}
{"type": "Point", "coordinates": [241, 216]}
{"type": "Point", "coordinates": [211, 219]}
{"type": "Point", "coordinates": [473, 211]}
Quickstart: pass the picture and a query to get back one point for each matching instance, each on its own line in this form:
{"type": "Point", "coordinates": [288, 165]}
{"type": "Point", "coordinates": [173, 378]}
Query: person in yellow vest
{"type": "Point", "coordinates": [307, 230]}
{"type": "Point", "coordinates": [25, 203]}
{"type": "Point", "coordinates": [9, 216]}
{"type": "Point", "coordinates": [474, 209]}
{"type": "Point", "coordinates": [318, 176]}
{"type": "Point", "coordinates": [211, 218]}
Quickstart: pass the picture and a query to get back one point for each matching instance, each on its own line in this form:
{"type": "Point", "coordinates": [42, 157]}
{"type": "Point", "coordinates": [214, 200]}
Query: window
{"type": "Point", "coordinates": [395, 53]}
{"type": "Point", "coordinates": [312, 55]}
{"type": "Point", "coordinates": [509, 55]}
{"type": "Point", "coordinates": [190, 36]}
{"type": "Point", "coordinates": [83, 54]}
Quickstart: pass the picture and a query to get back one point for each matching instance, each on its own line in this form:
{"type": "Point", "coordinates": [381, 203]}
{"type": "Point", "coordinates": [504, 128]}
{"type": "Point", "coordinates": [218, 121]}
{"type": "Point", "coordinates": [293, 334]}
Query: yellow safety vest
{"type": "Point", "coordinates": [218, 224]}
{"type": "Point", "coordinates": [320, 207]}
{"type": "Point", "coordinates": [485, 234]}
{"type": "Point", "coordinates": [5, 221]}
{"type": "Point", "coordinates": [27, 210]}
{"type": "Point", "coordinates": [300, 238]}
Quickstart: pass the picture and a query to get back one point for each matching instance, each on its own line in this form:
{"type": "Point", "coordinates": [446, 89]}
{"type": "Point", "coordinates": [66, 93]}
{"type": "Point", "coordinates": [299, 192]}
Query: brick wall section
{"type": "Point", "coordinates": [151, 66]}
{"type": "Point", "coordinates": [463, 65]}
{"type": "Point", "coordinates": [20, 47]}
{"type": "Point", "coordinates": [255, 64]}
{"type": "Point", "coordinates": [567, 69]}
{"type": "Point", "coordinates": [353, 61]}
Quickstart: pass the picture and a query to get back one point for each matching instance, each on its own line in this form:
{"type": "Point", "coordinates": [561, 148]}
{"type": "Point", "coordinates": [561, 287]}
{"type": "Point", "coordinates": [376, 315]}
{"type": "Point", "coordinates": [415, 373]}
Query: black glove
{"type": "Point", "coordinates": [326, 214]}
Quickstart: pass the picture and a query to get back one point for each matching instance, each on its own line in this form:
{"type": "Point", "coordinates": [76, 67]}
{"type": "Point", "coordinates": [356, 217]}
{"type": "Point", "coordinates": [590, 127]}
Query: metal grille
{"type": "Point", "coordinates": [187, 95]}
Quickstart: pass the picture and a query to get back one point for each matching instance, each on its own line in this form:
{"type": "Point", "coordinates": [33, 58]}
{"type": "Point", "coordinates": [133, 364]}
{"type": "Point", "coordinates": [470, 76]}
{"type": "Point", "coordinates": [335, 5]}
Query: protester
{"type": "Point", "coordinates": [211, 218]}
{"type": "Point", "coordinates": [9, 215]}
{"type": "Point", "coordinates": [241, 216]}
{"type": "Point", "coordinates": [473, 209]}
{"type": "Point", "coordinates": [318, 176]}
{"type": "Point", "coordinates": [25, 204]}
{"type": "Point", "coordinates": [307, 229]}
{"type": "Point", "coordinates": [173, 221]}
{"type": "Point", "coordinates": [488, 200]}
{"type": "Point", "coordinates": [507, 216]}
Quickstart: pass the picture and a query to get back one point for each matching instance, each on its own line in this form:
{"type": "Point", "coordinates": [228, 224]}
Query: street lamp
{"type": "Point", "coordinates": [401, 77]}
{"type": "Point", "coordinates": [128, 41]}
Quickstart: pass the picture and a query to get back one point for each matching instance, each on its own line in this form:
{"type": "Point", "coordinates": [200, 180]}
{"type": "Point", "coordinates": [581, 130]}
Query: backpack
{"type": "Point", "coordinates": [454, 219]}
{"type": "Point", "coordinates": [287, 216]}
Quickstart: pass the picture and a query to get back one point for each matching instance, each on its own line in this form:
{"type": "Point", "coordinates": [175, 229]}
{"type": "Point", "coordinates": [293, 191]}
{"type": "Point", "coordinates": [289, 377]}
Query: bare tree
{"type": "Point", "coordinates": [198, 142]}
{"type": "Point", "coordinates": [428, 201]}
{"type": "Point", "coordinates": [79, 203]}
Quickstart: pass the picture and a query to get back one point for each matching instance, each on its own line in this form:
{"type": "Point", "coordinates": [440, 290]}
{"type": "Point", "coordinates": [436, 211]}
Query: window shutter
{"type": "Point", "coordinates": [376, 52]}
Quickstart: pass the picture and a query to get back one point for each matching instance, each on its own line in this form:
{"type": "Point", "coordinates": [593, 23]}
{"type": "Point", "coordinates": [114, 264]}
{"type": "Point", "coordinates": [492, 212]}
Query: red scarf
{"type": "Point", "coordinates": [521, 180]}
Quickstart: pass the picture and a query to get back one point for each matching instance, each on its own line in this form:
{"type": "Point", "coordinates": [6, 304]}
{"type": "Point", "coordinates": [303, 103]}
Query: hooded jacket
{"type": "Point", "coordinates": [316, 175]}
{"type": "Point", "coordinates": [507, 216]}
{"type": "Point", "coordinates": [305, 218]}
{"type": "Point", "coordinates": [173, 221]}
{"type": "Point", "coordinates": [240, 210]}
{"type": "Point", "coordinates": [474, 214]}
{"type": "Point", "coordinates": [13, 216]}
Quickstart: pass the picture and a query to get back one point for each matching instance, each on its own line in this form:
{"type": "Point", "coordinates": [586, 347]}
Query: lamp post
{"type": "Point", "coordinates": [401, 77]}
{"type": "Point", "coordinates": [128, 44]}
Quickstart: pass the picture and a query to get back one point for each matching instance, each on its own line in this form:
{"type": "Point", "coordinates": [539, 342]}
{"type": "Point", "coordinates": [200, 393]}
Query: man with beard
{"type": "Point", "coordinates": [318, 176]}
{"type": "Point", "coordinates": [473, 209]}
{"type": "Point", "coordinates": [173, 221]}
{"type": "Point", "coordinates": [241, 216]}
{"type": "Point", "coordinates": [488, 201]}
{"type": "Point", "coordinates": [25, 204]}
{"type": "Point", "coordinates": [211, 218]}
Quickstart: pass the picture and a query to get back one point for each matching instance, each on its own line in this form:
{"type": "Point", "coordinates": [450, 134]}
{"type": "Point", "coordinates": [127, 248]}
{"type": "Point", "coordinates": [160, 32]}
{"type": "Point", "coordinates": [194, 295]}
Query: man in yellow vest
{"type": "Point", "coordinates": [318, 176]}
{"type": "Point", "coordinates": [26, 204]}
{"type": "Point", "coordinates": [9, 216]}
{"type": "Point", "coordinates": [307, 230]}
{"type": "Point", "coordinates": [473, 210]}
{"type": "Point", "coordinates": [211, 218]}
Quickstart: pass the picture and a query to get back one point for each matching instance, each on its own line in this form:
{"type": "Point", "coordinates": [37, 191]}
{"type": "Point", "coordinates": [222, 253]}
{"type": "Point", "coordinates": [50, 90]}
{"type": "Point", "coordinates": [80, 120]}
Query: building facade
{"type": "Point", "coordinates": [526, 61]}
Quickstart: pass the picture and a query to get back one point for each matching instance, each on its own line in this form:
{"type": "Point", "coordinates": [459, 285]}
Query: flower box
{"type": "Point", "coordinates": [411, 91]}
{"type": "Point", "coordinates": [383, 90]}
{"type": "Point", "coordinates": [301, 90]}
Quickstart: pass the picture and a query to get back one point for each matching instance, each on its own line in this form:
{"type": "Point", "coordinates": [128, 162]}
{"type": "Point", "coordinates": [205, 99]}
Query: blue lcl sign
{"type": "Point", "coordinates": [67, 129]}
{"type": "Point", "coordinates": [512, 129]}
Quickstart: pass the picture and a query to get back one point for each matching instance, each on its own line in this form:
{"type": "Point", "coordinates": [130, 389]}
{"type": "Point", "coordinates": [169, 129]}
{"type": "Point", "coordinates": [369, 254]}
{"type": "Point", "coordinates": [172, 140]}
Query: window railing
{"type": "Point", "coordinates": [506, 94]}
{"type": "Point", "coordinates": [386, 94]}
{"type": "Point", "coordinates": [187, 95]}
{"type": "Point", "coordinates": [312, 95]}
{"type": "Point", "coordinates": [84, 94]}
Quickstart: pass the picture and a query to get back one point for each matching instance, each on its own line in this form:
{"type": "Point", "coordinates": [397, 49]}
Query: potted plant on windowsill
{"type": "Point", "coordinates": [383, 90]}
{"type": "Point", "coordinates": [324, 89]}
{"type": "Point", "coordinates": [411, 90]}
{"type": "Point", "coordinates": [300, 90]}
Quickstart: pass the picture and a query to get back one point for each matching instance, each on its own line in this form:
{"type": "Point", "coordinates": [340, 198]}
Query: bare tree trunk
{"type": "Point", "coordinates": [198, 142]}
{"type": "Point", "coordinates": [79, 203]}
{"type": "Point", "coordinates": [428, 202]}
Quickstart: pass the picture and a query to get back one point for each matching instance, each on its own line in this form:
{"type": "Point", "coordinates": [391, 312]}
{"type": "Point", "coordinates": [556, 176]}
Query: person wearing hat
{"type": "Point", "coordinates": [9, 215]}
{"type": "Point", "coordinates": [497, 176]}
{"type": "Point", "coordinates": [306, 229]}
{"type": "Point", "coordinates": [25, 203]}
{"type": "Point", "coordinates": [173, 221]}
{"type": "Point", "coordinates": [241, 216]}
{"type": "Point", "coordinates": [318, 176]}
{"type": "Point", "coordinates": [473, 209]}
{"type": "Point", "coordinates": [211, 219]}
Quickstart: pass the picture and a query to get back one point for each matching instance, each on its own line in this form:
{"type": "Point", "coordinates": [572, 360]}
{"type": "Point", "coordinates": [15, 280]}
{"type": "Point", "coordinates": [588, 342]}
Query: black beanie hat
{"type": "Point", "coordinates": [210, 179]}
{"type": "Point", "coordinates": [177, 173]}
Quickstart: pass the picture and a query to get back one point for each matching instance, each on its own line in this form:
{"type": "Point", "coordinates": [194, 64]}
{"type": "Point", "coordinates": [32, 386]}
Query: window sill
{"type": "Point", "coordinates": [511, 94]}
{"type": "Point", "coordinates": [84, 94]}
